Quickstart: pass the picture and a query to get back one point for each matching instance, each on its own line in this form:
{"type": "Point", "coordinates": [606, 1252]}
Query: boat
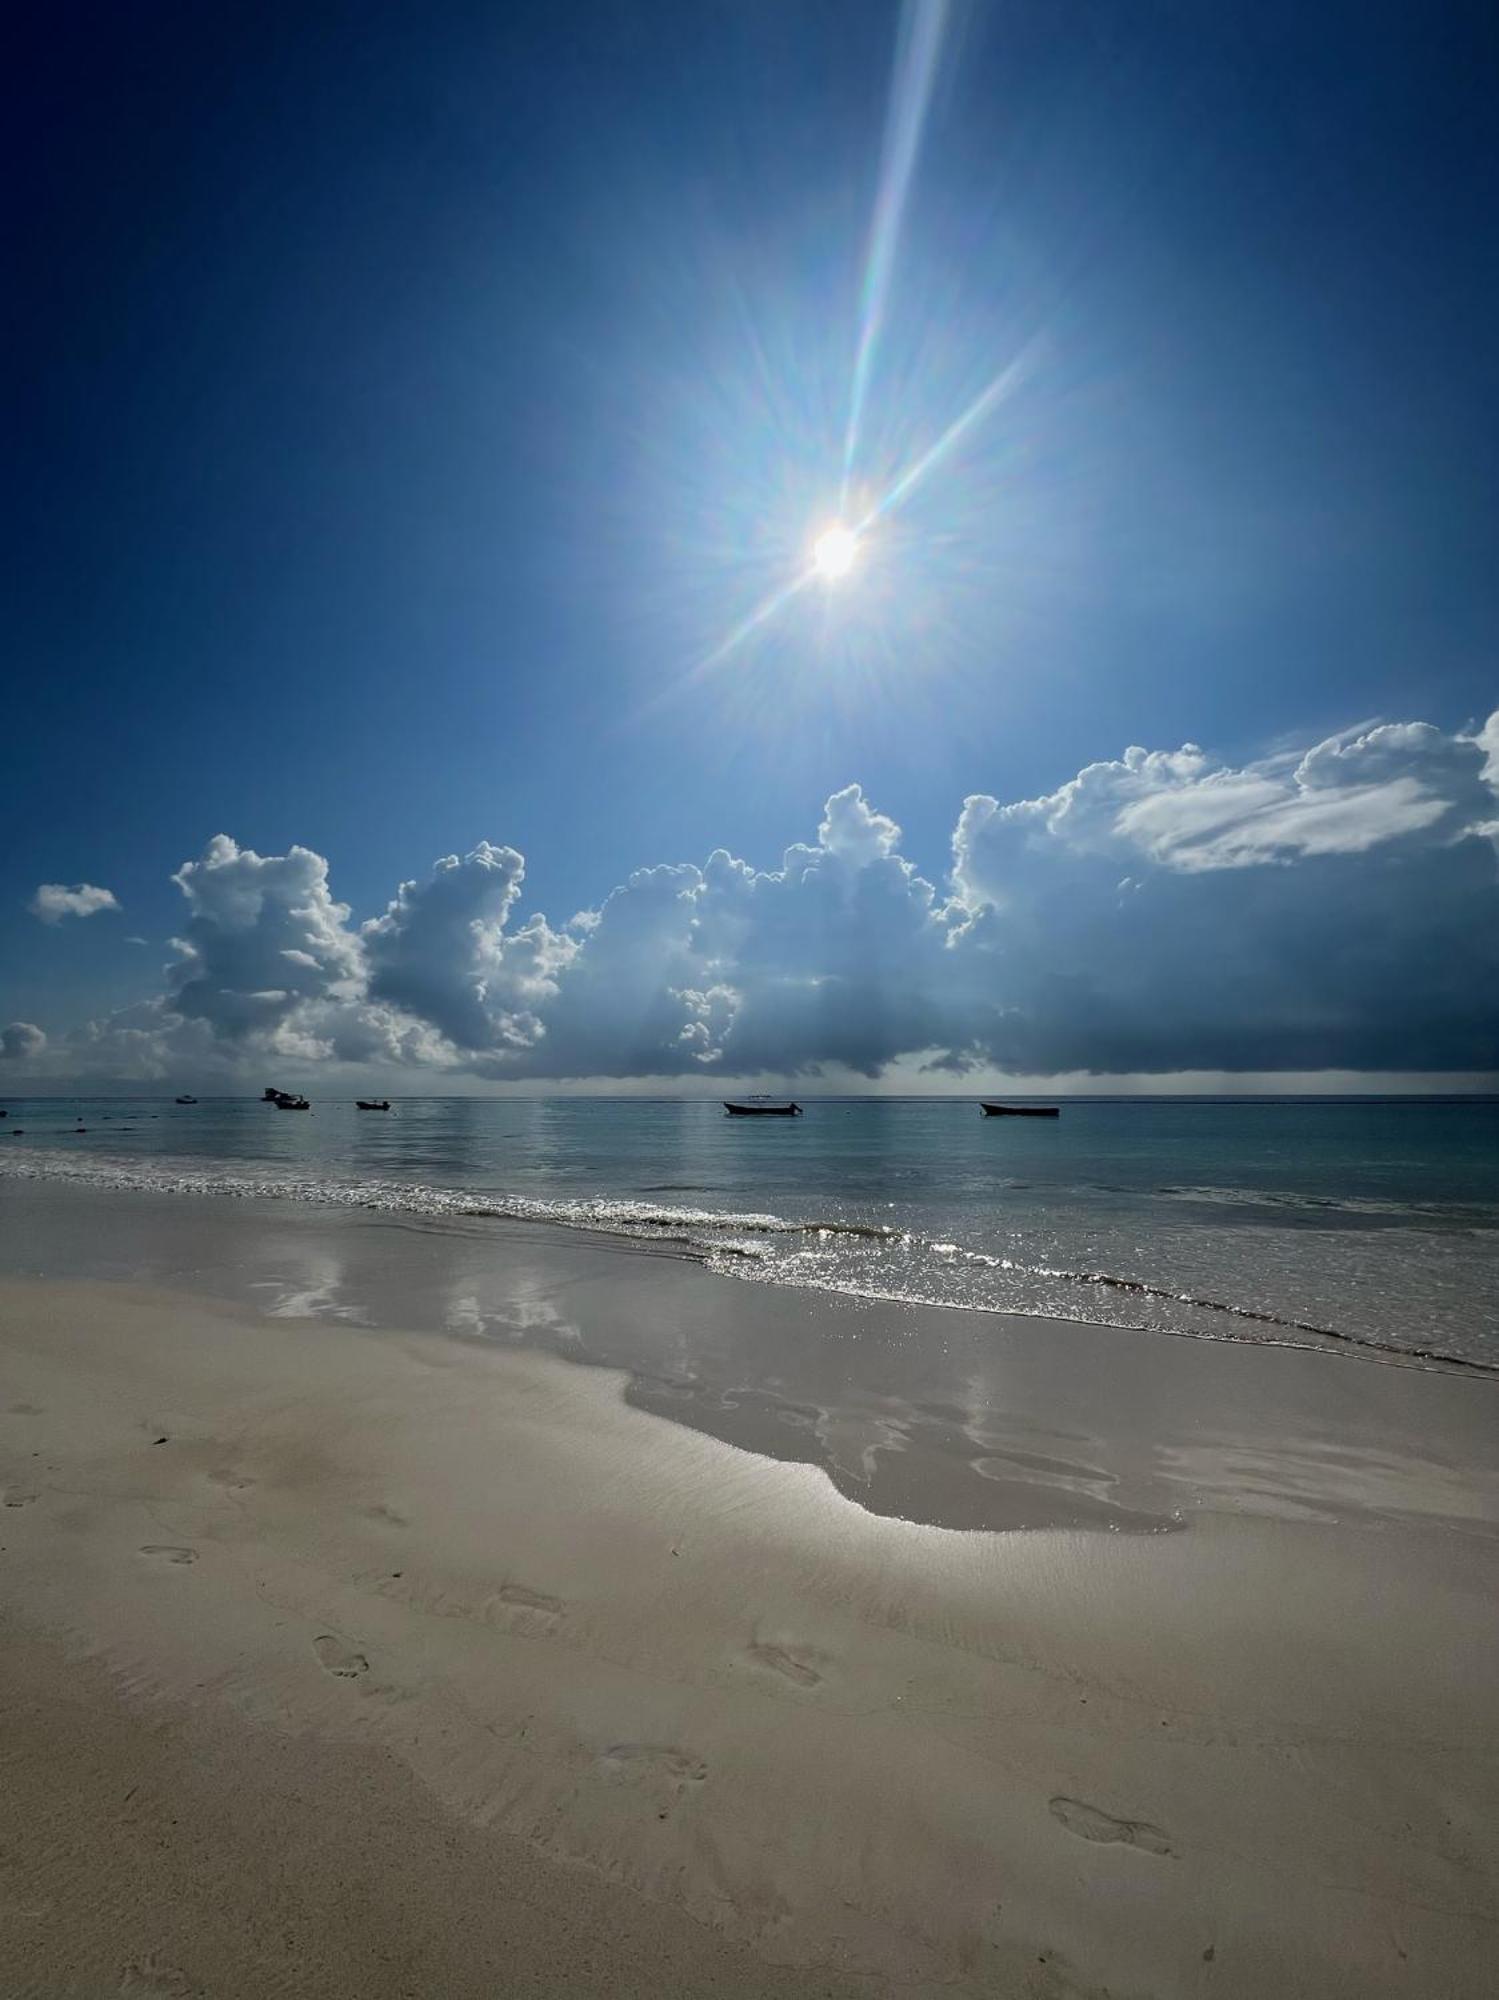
{"type": "Point", "coordinates": [761, 1107]}
{"type": "Point", "coordinates": [372, 1104]}
{"type": "Point", "coordinates": [187, 1100]}
{"type": "Point", "coordinates": [1018, 1110]}
{"type": "Point", "coordinates": [286, 1102]}
{"type": "Point", "coordinates": [271, 1093]}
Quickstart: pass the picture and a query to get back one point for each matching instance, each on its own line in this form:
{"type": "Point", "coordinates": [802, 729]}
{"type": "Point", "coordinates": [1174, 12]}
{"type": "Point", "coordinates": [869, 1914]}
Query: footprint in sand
{"type": "Point", "coordinates": [520, 1598]}
{"type": "Point", "coordinates": [150, 1979]}
{"type": "Point", "coordinates": [25, 1410]}
{"type": "Point", "coordinates": [226, 1476]}
{"type": "Point", "coordinates": [780, 1661]}
{"type": "Point", "coordinates": [630, 1761]}
{"type": "Point", "coordinates": [16, 1498]}
{"type": "Point", "coordinates": [171, 1552]}
{"type": "Point", "coordinates": [335, 1656]}
{"type": "Point", "coordinates": [1090, 1823]}
{"type": "Point", "coordinates": [386, 1515]}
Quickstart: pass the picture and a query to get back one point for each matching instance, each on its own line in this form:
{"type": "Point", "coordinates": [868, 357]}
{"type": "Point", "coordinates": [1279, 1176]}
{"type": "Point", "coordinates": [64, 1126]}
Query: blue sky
{"type": "Point", "coordinates": [414, 399]}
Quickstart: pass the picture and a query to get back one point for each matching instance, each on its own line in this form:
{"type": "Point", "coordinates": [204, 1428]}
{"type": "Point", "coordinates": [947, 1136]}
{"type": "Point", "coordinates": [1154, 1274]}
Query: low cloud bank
{"type": "Point", "coordinates": [1336, 907]}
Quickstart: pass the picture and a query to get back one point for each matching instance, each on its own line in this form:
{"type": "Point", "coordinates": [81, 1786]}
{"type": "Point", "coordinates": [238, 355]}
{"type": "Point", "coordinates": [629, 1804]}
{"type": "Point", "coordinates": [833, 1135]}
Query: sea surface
{"type": "Point", "coordinates": [1348, 1222]}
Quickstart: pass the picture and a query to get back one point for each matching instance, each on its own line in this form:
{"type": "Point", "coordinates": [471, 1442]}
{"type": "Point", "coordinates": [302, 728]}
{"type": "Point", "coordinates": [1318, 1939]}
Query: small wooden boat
{"type": "Point", "coordinates": [372, 1104]}
{"type": "Point", "coordinates": [187, 1100]}
{"type": "Point", "coordinates": [286, 1102]}
{"type": "Point", "coordinates": [761, 1107]}
{"type": "Point", "coordinates": [1018, 1110]}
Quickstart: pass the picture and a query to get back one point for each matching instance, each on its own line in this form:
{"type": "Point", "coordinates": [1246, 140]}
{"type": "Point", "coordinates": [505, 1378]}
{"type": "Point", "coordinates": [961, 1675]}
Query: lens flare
{"type": "Point", "coordinates": [835, 552]}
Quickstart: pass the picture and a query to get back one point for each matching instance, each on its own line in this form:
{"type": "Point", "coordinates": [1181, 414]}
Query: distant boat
{"type": "Point", "coordinates": [761, 1107]}
{"type": "Point", "coordinates": [286, 1102]}
{"type": "Point", "coordinates": [1018, 1110]}
{"type": "Point", "coordinates": [187, 1100]}
{"type": "Point", "coordinates": [271, 1093]}
{"type": "Point", "coordinates": [372, 1104]}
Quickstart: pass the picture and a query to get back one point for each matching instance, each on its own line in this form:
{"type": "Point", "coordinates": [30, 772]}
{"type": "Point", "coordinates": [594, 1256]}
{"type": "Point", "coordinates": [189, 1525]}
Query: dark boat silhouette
{"type": "Point", "coordinates": [761, 1107]}
{"type": "Point", "coordinates": [1018, 1110]}
{"type": "Point", "coordinates": [287, 1102]}
{"type": "Point", "coordinates": [372, 1104]}
{"type": "Point", "coordinates": [187, 1100]}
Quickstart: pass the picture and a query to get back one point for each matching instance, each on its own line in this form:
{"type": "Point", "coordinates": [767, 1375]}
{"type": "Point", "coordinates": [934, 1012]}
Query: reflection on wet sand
{"type": "Point", "coordinates": [949, 1418]}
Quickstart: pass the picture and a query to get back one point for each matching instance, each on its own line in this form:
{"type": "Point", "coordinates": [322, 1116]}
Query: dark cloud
{"type": "Point", "coordinates": [1331, 909]}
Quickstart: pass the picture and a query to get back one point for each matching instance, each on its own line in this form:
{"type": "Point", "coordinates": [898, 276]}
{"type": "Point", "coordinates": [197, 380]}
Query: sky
{"type": "Point", "coordinates": [417, 665]}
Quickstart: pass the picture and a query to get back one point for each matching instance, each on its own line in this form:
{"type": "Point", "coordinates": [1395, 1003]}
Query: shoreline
{"type": "Point", "coordinates": [667, 1231]}
{"type": "Point", "coordinates": [955, 1416]}
{"type": "Point", "coordinates": [573, 1693]}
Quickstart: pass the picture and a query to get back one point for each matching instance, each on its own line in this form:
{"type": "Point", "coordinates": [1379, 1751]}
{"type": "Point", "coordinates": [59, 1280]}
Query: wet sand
{"type": "Point", "coordinates": [414, 1658]}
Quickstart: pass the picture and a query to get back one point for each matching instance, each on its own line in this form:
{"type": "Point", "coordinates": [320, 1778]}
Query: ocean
{"type": "Point", "coordinates": [1347, 1222]}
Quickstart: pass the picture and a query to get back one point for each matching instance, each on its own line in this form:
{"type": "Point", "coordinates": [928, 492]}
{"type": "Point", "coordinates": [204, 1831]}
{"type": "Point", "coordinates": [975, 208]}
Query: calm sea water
{"type": "Point", "coordinates": [1267, 1219]}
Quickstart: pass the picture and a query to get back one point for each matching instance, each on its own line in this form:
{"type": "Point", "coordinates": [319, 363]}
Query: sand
{"type": "Point", "coordinates": [363, 1661]}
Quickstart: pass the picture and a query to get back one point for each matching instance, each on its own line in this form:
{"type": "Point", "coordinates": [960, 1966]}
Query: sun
{"type": "Point", "coordinates": [834, 552]}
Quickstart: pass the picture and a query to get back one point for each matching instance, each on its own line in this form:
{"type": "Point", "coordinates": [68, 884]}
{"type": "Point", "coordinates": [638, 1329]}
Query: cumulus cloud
{"type": "Point", "coordinates": [55, 900]}
{"type": "Point", "coordinates": [1340, 908]}
{"type": "Point", "coordinates": [21, 1042]}
{"type": "Point", "coordinates": [264, 940]}
{"type": "Point", "coordinates": [441, 953]}
{"type": "Point", "coordinates": [1167, 911]}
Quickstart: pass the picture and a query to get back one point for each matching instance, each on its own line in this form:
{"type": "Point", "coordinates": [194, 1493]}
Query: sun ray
{"type": "Point", "coordinates": [1004, 385]}
{"type": "Point", "coordinates": [836, 550]}
{"type": "Point", "coordinates": [923, 23]}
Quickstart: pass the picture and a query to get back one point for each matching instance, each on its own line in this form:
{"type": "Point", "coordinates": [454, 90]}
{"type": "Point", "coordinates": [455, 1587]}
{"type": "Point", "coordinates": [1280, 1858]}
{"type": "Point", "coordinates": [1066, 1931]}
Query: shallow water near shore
{"type": "Point", "coordinates": [953, 1418]}
{"type": "Point", "coordinates": [1370, 1220]}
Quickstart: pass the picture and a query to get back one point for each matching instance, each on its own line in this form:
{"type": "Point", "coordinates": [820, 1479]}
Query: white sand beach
{"type": "Point", "coordinates": [375, 1661]}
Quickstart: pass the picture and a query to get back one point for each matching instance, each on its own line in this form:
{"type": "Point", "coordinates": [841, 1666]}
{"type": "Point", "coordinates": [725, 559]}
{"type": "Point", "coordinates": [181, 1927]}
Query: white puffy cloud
{"type": "Point", "coordinates": [22, 1041]}
{"type": "Point", "coordinates": [55, 900]}
{"type": "Point", "coordinates": [442, 954]}
{"type": "Point", "coordinates": [263, 940]}
{"type": "Point", "coordinates": [1331, 908]}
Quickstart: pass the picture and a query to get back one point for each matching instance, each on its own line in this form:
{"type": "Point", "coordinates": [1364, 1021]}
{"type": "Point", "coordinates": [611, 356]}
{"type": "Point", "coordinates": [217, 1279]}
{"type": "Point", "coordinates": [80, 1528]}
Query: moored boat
{"type": "Point", "coordinates": [187, 1100]}
{"type": "Point", "coordinates": [761, 1107]}
{"type": "Point", "coordinates": [372, 1104]}
{"type": "Point", "coordinates": [1018, 1110]}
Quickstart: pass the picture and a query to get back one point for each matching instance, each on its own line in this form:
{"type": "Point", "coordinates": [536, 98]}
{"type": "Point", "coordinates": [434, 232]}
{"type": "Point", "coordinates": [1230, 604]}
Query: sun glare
{"type": "Point", "coordinates": [834, 551]}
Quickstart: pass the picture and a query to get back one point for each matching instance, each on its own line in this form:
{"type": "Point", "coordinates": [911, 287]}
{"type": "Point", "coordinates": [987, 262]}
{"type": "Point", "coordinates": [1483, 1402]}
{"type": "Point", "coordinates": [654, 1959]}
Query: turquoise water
{"type": "Point", "coordinates": [1373, 1220]}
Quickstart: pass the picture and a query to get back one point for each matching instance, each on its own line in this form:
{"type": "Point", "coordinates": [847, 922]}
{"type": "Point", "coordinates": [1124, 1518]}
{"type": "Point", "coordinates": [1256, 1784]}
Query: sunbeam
{"type": "Point", "coordinates": [833, 554]}
{"type": "Point", "coordinates": [923, 23]}
{"type": "Point", "coordinates": [1005, 383]}
{"type": "Point", "coordinates": [761, 615]}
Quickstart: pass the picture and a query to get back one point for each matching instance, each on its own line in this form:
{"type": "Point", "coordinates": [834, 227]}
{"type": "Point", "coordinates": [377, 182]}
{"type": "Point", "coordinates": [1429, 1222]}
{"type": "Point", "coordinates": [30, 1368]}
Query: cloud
{"type": "Point", "coordinates": [21, 1042]}
{"type": "Point", "coordinates": [1340, 908]}
{"type": "Point", "coordinates": [264, 941]}
{"type": "Point", "coordinates": [54, 900]}
{"type": "Point", "coordinates": [441, 953]}
{"type": "Point", "coordinates": [1335, 907]}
